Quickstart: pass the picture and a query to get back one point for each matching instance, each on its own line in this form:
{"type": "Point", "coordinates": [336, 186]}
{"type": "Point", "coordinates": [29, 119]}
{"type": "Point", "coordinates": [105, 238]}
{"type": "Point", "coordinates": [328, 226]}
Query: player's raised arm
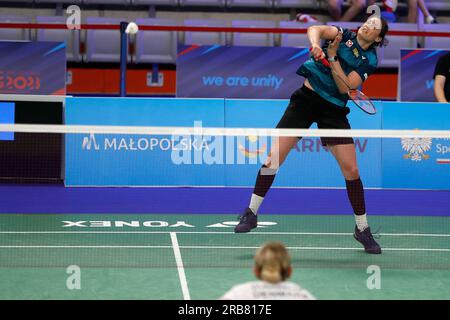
{"type": "Point", "coordinates": [316, 34]}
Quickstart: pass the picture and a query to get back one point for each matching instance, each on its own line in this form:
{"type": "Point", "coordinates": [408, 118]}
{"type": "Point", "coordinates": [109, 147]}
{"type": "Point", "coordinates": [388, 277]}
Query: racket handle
{"type": "Point", "coordinates": [323, 60]}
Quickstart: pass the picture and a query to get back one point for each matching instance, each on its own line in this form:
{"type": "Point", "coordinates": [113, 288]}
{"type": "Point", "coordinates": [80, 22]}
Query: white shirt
{"type": "Point", "coordinates": [261, 290]}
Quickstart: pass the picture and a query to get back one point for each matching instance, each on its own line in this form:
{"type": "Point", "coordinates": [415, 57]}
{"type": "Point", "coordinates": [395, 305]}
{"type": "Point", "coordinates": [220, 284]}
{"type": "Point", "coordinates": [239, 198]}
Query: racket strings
{"type": "Point", "coordinates": [362, 101]}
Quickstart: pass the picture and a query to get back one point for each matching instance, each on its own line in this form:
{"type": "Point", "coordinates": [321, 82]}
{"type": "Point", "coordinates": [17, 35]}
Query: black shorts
{"type": "Point", "coordinates": [307, 107]}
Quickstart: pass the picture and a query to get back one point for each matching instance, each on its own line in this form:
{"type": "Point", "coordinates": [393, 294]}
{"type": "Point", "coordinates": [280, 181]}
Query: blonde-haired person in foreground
{"type": "Point", "coordinates": [273, 269]}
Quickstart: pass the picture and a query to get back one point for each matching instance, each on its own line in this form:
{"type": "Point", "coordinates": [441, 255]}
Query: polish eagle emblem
{"type": "Point", "coordinates": [416, 148]}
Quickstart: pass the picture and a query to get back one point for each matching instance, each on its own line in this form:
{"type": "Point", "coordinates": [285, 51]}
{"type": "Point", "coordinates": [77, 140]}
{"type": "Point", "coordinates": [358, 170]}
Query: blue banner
{"type": "Point", "coordinates": [416, 74]}
{"type": "Point", "coordinates": [422, 163]}
{"type": "Point", "coordinates": [238, 72]}
{"type": "Point", "coordinates": [195, 160]}
{"type": "Point", "coordinates": [142, 160]}
{"type": "Point", "coordinates": [7, 117]}
{"type": "Point", "coordinates": [32, 67]}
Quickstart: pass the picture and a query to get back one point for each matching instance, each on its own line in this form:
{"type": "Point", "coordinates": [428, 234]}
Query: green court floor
{"type": "Point", "coordinates": [199, 256]}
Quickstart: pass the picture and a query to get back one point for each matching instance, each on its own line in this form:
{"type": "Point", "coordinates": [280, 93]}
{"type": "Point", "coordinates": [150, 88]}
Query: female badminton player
{"type": "Point", "coordinates": [323, 99]}
{"type": "Point", "coordinates": [272, 269]}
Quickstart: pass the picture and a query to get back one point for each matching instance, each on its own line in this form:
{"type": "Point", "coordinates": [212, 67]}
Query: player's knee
{"type": "Point", "coordinates": [351, 173]}
{"type": "Point", "coordinates": [272, 164]}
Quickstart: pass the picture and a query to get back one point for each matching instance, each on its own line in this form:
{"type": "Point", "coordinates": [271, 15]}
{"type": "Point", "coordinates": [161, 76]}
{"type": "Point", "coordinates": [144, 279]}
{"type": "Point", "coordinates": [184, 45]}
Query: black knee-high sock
{"type": "Point", "coordinates": [355, 192]}
{"type": "Point", "coordinates": [264, 180]}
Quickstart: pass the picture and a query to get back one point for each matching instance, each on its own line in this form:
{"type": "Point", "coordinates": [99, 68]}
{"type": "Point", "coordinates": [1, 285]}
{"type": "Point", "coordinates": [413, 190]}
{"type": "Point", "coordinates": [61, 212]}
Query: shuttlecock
{"type": "Point", "coordinates": [429, 19]}
{"type": "Point", "coordinates": [132, 28]}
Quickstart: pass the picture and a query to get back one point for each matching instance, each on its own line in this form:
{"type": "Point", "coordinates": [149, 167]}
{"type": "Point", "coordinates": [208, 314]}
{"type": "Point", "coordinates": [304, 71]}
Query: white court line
{"type": "Point", "coordinates": [85, 247]}
{"type": "Point", "coordinates": [180, 266]}
{"type": "Point", "coordinates": [179, 260]}
{"type": "Point", "coordinates": [228, 232]}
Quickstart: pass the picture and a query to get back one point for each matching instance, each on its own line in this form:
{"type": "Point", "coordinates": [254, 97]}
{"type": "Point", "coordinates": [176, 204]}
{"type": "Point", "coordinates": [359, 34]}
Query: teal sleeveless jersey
{"type": "Point", "coordinates": [351, 58]}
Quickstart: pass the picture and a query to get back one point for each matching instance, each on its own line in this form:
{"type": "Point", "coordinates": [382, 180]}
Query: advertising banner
{"type": "Point", "coordinates": [32, 68]}
{"type": "Point", "coordinates": [238, 71]}
{"type": "Point", "coordinates": [143, 160]}
{"type": "Point", "coordinates": [416, 163]}
{"type": "Point", "coordinates": [416, 74]}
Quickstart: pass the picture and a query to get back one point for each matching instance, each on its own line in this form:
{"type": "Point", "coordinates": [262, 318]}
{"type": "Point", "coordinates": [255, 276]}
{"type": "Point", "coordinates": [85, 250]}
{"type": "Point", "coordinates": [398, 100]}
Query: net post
{"type": "Point", "coordinates": [123, 58]}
